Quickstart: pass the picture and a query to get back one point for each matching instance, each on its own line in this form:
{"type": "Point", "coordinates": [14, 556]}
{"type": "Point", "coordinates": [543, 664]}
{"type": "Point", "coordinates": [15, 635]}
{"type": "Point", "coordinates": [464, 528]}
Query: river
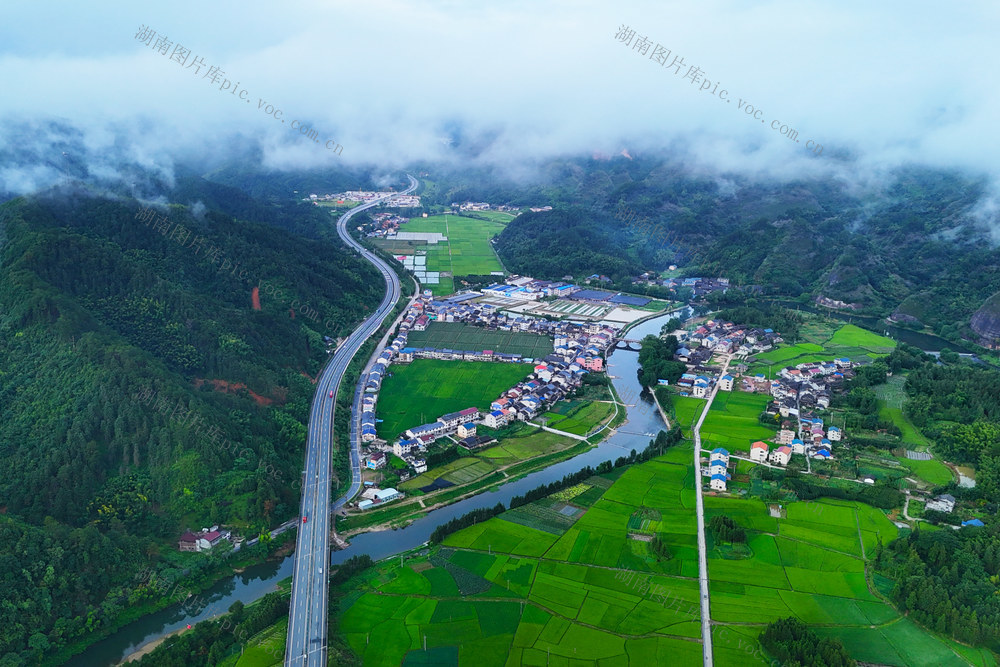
{"type": "Point", "coordinates": [258, 580]}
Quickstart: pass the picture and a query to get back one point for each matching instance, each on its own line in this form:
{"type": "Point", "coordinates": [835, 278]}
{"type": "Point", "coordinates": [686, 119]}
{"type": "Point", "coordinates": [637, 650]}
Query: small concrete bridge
{"type": "Point", "coordinates": [628, 344]}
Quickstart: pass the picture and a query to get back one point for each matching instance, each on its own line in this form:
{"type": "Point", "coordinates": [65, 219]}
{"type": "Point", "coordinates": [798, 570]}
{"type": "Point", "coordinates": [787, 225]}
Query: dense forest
{"type": "Point", "coordinates": [142, 394]}
{"type": "Point", "coordinates": [910, 248]}
{"type": "Point", "coordinates": [793, 643]}
{"type": "Point", "coordinates": [656, 361]}
{"type": "Point", "coordinates": [947, 581]}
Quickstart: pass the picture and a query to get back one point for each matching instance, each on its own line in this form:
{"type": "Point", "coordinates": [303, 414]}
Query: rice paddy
{"type": "Point", "coordinates": [563, 581]}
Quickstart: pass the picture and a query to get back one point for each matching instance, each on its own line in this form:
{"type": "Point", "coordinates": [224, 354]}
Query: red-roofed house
{"type": "Point", "coordinates": [758, 451]}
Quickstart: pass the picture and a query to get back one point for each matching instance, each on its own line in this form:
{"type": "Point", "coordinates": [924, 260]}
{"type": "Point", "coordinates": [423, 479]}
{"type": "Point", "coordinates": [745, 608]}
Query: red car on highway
{"type": "Point", "coordinates": [331, 393]}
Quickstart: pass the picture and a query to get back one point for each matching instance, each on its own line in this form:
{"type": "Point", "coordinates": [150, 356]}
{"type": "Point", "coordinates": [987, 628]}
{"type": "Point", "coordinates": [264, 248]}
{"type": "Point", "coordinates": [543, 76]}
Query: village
{"type": "Point", "coordinates": [797, 392]}
{"type": "Point", "coordinates": [579, 348]}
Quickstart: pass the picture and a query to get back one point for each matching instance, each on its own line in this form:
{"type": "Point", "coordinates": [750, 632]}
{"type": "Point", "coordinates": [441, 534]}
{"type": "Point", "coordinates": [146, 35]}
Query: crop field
{"type": "Point", "coordinates": [810, 565]}
{"type": "Point", "coordinates": [900, 642]}
{"type": "Point", "coordinates": [522, 447]}
{"type": "Point", "coordinates": [732, 421]}
{"type": "Point", "coordinates": [891, 399]}
{"type": "Point", "coordinates": [824, 341]}
{"type": "Point", "coordinates": [467, 250]}
{"type": "Point", "coordinates": [424, 390]}
{"type": "Point", "coordinates": [461, 336]}
{"type": "Point", "coordinates": [583, 419]}
{"type": "Point", "coordinates": [460, 471]}
{"type": "Point", "coordinates": [538, 586]}
{"type": "Point", "coordinates": [687, 409]}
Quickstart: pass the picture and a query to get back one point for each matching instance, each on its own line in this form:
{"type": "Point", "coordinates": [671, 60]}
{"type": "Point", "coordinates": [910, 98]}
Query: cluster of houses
{"type": "Point", "coordinates": [715, 336]}
{"type": "Point", "coordinates": [699, 287]}
{"type": "Point", "coordinates": [804, 387]}
{"type": "Point", "coordinates": [578, 349]}
{"type": "Point", "coordinates": [365, 196]}
{"type": "Point", "coordinates": [718, 469]}
{"type": "Point", "coordinates": [372, 497]}
{"type": "Point", "coordinates": [698, 386]}
{"type": "Point", "coordinates": [403, 201]}
{"type": "Point", "coordinates": [384, 224]}
{"type": "Point", "coordinates": [529, 289]}
{"type": "Point", "coordinates": [485, 206]}
{"type": "Point", "coordinates": [811, 440]}
{"type": "Point", "coordinates": [204, 540]}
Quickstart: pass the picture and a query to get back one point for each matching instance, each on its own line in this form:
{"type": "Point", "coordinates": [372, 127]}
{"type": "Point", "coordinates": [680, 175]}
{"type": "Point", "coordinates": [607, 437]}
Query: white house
{"type": "Point", "coordinates": [720, 454]}
{"type": "Point", "coordinates": [495, 419]}
{"type": "Point", "coordinates": [758, 451]}
{"type": "Point", "coordinates": [726, 383]}
{"type": "Point", "coordinates": [943, 503]}
{"type": "Point", "coordinates": [465, 430]}
{"type": "Point", "coordinates": [718, 482]}
{"type": "Point", "coordinates": [785, 437]}
{"type": "Point", "coordinates": [798, 447]}
{"type": "Point", "coordinates": [833, 433]}
{"type": "Point", "coordinates": [781, 455]}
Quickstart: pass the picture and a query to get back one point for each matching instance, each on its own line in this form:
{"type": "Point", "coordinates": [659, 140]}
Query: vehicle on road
{"type": "Point", "coordinates": [331, 393]}
{"type": "Point", "coordinates": [304, 519]}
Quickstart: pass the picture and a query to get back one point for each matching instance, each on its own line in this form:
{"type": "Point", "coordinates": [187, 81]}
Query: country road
{"type": "Point", "coordinates": [307, 621]}
{"type": "Point", "coordinates": [706, 619]}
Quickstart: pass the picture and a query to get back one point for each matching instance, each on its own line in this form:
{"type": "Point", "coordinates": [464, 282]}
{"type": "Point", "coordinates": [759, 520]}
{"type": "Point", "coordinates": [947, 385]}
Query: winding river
{"type": "Point", "coordinates": [259, 580]}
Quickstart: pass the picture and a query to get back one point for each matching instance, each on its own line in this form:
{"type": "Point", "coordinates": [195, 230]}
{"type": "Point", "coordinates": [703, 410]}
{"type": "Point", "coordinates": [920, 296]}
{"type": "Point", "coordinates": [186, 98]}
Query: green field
{"type": "Point", "coordinates": [467, 250]}
{"type": "Point", "coordinates": [563, 581]}
{"type": "Point", "coordinates": [891, 399]}
{"type": "Point", "coordinates": [424, 390]}
{"type": "Point", "coordinates": [497, 594]}
{"type": "Point", "coordinates": [823, 341]}
{"type": "Point", "coordinates": [732, 421]}
{"type": "Point", "coordinates": [687, 410]}
{"type": "Point", "coordinates": [460, 336]}
{"type": "Point", "coordinates": [582, 419]}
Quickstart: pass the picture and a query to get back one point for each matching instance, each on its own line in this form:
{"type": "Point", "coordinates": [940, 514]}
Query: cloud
{"type": "Point", "coordinates": [877, 85]}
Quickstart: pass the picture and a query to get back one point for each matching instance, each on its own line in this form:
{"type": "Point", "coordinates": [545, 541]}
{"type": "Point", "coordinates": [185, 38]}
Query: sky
{"type": "Point", "coordinates": [876, 85]}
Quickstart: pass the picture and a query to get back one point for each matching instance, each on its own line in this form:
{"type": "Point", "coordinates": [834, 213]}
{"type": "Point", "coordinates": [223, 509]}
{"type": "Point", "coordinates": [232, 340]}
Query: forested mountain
{"type": "Point", "coordinates": [911, 248]}
{"type": "Point", "coordinates": [141, 393]}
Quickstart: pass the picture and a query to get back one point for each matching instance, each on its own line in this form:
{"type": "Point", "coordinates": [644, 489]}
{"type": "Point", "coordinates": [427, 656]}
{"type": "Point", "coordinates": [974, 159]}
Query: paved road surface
{"type": "Point", "coordinates": [706, 618]}
{"type": "Point", "coordinates": [307, 618]}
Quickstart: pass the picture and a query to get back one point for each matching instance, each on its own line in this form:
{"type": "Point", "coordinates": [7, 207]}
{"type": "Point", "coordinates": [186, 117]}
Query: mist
{"type": "Point", "coordinates": [511, 85]}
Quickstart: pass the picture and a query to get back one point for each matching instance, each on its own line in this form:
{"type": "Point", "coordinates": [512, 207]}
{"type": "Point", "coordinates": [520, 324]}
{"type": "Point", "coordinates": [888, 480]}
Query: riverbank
{"type": "Point", "coordinates": [405, 514]}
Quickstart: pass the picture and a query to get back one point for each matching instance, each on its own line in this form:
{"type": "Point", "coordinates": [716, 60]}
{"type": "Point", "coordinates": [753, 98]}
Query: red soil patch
{"type": "Point", "coordinates": [233, 387]}
{"type": "Point", "coordinates": [255, 298]}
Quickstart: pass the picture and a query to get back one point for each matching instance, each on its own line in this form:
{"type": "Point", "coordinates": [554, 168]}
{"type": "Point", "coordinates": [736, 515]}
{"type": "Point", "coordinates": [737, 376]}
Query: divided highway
{"type": "Point", "coordinates": [307, 622]}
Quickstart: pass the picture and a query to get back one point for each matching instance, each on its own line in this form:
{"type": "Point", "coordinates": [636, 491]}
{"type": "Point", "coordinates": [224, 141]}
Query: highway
{"type": "Point", "coordinates": [706, 617]}
{"type": "Point", "coordinates": [307, 618]}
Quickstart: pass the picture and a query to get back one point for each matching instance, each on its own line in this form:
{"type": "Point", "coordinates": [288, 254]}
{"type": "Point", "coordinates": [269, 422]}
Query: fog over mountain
{"type": "Point", "coordinates": [513, 83]}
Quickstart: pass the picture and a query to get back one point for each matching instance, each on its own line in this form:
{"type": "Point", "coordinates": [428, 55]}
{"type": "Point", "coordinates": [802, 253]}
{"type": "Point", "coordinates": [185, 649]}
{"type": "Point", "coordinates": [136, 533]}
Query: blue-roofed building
{"type": "Point", "coordinates": [718, 481]}
{"type": "Point", "coordinates": [720, 454]}
{"type": "Point", "coordinates": [822, 454]}
{"type": "Point", "coordinates": [798, 447]}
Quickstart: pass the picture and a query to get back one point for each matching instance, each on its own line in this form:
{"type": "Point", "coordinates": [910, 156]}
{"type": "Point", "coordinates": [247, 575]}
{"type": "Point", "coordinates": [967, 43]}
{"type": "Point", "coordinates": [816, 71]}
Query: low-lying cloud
{"type": "Point", "coordinates": [396, 82]}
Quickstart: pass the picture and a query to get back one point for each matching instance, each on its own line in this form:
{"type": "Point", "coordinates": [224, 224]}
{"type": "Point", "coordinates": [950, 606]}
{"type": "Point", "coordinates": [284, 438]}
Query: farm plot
{"type": "Point", "coordinates": [424, 390]}
{"type": "Point", "coordinates": [826, 342]}
{"type": "Point", "coordinates": [461, 336]}
{"type": "Point", "coordinates": [732, 423]}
